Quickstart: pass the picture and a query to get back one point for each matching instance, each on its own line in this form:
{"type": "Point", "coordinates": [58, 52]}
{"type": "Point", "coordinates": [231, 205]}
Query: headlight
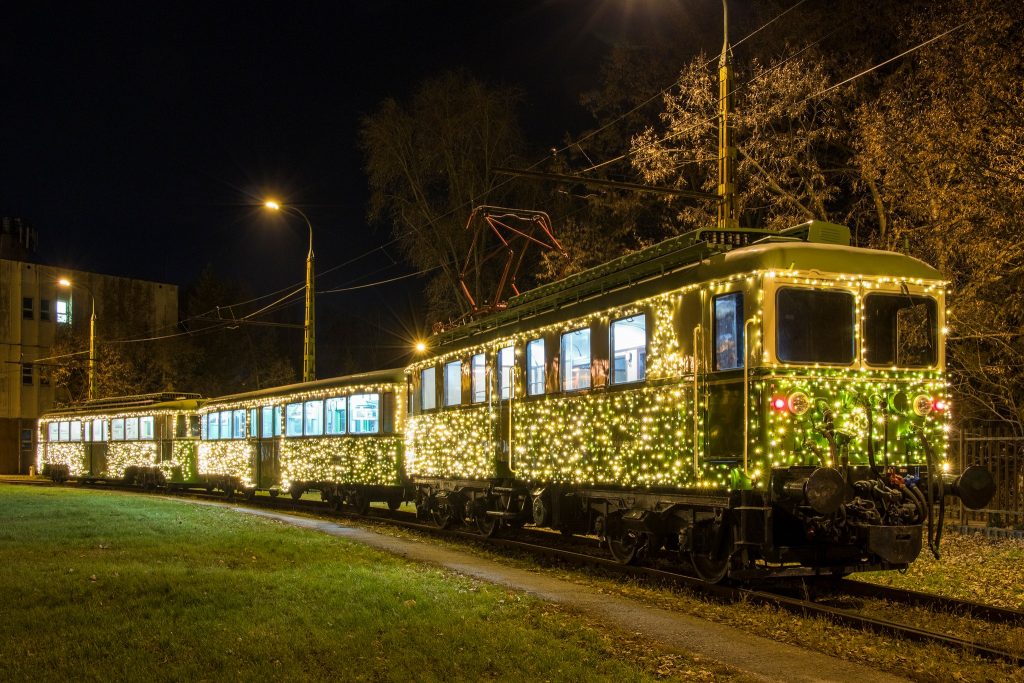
{"type": "Point", "coordinates": [799, 403]}
{"type": "Point", "coordinates": [922, 404]}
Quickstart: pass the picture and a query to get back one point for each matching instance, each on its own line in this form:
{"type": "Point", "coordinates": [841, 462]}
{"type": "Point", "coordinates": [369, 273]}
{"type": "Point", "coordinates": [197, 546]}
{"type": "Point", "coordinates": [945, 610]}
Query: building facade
{"type": "Point", "coordinates": [36, 311]}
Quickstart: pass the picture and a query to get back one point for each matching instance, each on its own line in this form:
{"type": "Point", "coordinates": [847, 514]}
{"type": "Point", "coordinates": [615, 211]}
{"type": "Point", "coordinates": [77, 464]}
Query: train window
{"type": "Point", "coordinates": [387, 412]}
{"type": "Point", "coordinates": [314, 420]}
{"type": "Point", "coordinates": [224, 418]}
{"type": "Point", "coordinates": [506, 360]}
{"type": "Point", "coordinates": [238, 424]}
{"type": "Point", "coordinates": [364, 414]}
{"type": "Point", "coordinates": [277, 420]}
{"type": "Point", "coordinates": [193, 425]}
{"type": "Point", "coordinates": [146, 427]}
{"type": "Point", "coordinates": [117, 429]}
{"type": "Point", "coordinates": [900, 330]}
{"type": "Point", "coordinates": [629, 349]}
{"type": "Point", "coordinates": [213, 432]}
{"type": "Point", "coordinates": [334, 415]}
{"type": "Point", "coordinates": [576, 360]}
{"type": "Point", "coordinates": [44, 309]}
{"type": "Point", "coordinates": [453, 383]}
{"type": "Point", "coordinates": [88, 430]}
{"type": "Point", "coordinates": [131, 428]}
{"type": "Point", "coordinates": [479, 380]}
{"type": "Point", "coordinates": [535, 367]}
{"type": "Point", "coordinates": [428, 389]}
{"type": "Point", "coordinates": [64, 431]}
{"type": "Point", "coordinates": [254, 422]}
{"type": "Point", "coordinates": [814, 326]}
{"type": "Point", "coordinates": [293, 419]}
{"type": "Point", "coordinates": [52, 432]}
{"type": "Point", "coordinates": [267, 421]}
{"type": "Point", "coordinates": [729, 331]}
{"type": "Point", "coordinates": [76, 430]}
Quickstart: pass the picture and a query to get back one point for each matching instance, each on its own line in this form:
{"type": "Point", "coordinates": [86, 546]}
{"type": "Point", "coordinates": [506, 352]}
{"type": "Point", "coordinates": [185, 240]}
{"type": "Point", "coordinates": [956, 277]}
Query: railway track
{"type": "Point", "coordinates": [552, 546]}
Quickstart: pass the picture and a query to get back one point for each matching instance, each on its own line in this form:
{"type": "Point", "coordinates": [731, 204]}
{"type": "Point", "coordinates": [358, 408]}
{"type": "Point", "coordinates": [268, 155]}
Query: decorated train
{"type": "Point", "coordinates": [746, 402]}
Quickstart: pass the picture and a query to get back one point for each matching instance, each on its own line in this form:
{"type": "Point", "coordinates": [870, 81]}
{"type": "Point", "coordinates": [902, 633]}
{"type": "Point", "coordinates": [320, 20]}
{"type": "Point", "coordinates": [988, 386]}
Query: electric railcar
{"type": "Point", "coordinates": [758, 403]}
{"type": "Point", "coordinates": [341, 437]}
{"type": "Point", "coordinates": [147, 440]}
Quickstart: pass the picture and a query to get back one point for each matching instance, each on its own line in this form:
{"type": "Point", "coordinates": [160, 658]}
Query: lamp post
{"type": "Point", "coordinates": [309, 326]}
{"type": "Point", "coordinates": [65, 282]}
{"type": "Point", "coordinates": [727, 215]}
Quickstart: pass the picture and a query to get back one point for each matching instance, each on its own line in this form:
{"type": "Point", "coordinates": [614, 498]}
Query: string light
{"type": "Point", "coordinates": [120, 454]}
{"type": "Point", "coordinates": [643, 435]}
{"type": "Point", "coordinates": [371, 459]}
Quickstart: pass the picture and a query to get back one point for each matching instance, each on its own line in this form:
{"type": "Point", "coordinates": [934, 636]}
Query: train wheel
{"type": "Point", "coordinates": [273, 493]}
{"type": "Point", "coordinates": [712, 560]}
{"type": "Point", "coordinates": [229, 491]}
{"type": "Point", "coordinates": [250, 494]}
{"type": "Point", "coordinates": [394, 502]}
{"type": "Point", "coordinates": [627, 546]}
{"type": "Point", "coordinates": [442, 514]}
{"type": "Point", "coordinates": [487, 525]}
{"type": "Point", "coordinates": [296, 492]}
{"type": "Point", "coordinates": [360, 501]}
{"type": "Point", "coordinates": [336, 502]}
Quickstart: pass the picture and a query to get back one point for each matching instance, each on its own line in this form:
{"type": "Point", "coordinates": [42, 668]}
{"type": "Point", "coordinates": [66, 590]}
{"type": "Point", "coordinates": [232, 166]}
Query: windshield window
{"type": "Point", "coordinates": [900, 330]}
{"type": "Point", "coordinates": [815, 326]}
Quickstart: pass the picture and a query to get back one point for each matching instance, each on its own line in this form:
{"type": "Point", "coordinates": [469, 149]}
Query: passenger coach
{"type": "Point", "coordinates": [144, 440]}
{"type": "Point", "coordinates": [341, 437]}
{"type": "Point", "coordinates": [757, 402]}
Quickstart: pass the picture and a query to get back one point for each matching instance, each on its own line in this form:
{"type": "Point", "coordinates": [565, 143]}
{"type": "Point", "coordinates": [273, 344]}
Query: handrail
{"type": "Point", "coordinates": [698, 336]}
{"type": "Point", "coordinates": [746, 391]}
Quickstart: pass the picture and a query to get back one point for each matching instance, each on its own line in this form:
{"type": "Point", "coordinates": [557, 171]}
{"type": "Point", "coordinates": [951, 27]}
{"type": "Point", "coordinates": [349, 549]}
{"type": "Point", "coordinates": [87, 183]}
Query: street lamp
{"type": "Point", "coordinates": [727, 215]}
{"type": "Point", "coordinates": [65, 282]}
{"type": "Point", "coordinates": [309, 326]}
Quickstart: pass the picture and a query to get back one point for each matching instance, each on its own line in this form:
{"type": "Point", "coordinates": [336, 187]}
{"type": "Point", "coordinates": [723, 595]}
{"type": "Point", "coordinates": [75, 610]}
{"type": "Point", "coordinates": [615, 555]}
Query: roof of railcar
{"type": "Point", "coordinates": [126, 404]}
{"type": "Point", "coordinates": [700, 256]}
{"type": "Point", "coordinates": [811, 257]}
{"type": "Point", "coordinates": [390, 376]}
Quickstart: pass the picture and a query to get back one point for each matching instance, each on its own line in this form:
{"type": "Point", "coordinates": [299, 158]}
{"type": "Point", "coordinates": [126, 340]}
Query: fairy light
{"type": "Point", "coordinates": [643, 436]}
{"type": "Point", "coordinates": [120, 453]}
{"type": "Point", "coordinates": [371, 459]}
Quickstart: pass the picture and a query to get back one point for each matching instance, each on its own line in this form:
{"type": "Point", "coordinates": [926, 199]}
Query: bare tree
{"type": "Point", "coordinates": [430, 161]}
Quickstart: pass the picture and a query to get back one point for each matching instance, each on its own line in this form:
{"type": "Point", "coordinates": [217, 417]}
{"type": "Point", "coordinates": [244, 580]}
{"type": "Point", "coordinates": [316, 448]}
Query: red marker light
{"type": "Point", "coordinates": [940, 405]}
{"type": "Point", "coordinates": [779, 403]}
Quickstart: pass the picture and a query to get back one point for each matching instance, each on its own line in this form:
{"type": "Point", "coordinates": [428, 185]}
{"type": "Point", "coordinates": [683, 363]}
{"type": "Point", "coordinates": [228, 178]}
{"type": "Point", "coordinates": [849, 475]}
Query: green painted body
{"type": "Point", "coordinates": [171, 451]}
{"type": "Point", "coordinates": [678, 428]}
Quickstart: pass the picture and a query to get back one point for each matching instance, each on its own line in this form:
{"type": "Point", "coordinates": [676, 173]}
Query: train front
{"type": "Point", "coordinates": [854, 417]}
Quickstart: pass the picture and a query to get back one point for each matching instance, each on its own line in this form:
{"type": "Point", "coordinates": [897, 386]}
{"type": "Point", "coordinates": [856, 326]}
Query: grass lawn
{"type": "Point", "coordinates": [107, 586]}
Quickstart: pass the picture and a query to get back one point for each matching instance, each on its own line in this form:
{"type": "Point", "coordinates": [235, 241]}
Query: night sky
{"type": "Point", "coordinates": [138, 138]}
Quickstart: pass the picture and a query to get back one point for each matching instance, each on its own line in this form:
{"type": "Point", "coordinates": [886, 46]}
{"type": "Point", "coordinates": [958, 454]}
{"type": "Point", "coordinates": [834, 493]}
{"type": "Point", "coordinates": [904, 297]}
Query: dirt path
{"type": "Point", "coordinates": [762, 658]}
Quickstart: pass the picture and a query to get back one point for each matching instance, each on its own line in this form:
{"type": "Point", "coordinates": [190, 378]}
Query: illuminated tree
{"type": "Point", "coordinates": [941, 146]}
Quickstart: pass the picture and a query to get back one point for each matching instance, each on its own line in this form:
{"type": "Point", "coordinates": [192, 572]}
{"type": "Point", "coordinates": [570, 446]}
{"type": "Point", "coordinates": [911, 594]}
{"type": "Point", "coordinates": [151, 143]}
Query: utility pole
{"type": "Point", "coordinates": [727, 215]}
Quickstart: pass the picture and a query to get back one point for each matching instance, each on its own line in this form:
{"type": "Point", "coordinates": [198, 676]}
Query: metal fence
{"type": "Point", "coordinates": [1002, 454]}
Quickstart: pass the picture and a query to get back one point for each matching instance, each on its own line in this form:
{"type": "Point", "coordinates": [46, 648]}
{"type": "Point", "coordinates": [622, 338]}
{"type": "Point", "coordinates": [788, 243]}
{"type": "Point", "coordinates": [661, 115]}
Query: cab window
{"type": "Point", "coordinates": [729, 331]}
{"type": "Point", "coordinates": [815, 326]}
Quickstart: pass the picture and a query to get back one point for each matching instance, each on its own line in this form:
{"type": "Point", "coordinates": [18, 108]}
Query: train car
{"type": "Point", "coordinates": [147, 440]}
{"type": "Point", "coordinates": [340, 436]}
{"type": "Point", "coordinates": [754, 403]}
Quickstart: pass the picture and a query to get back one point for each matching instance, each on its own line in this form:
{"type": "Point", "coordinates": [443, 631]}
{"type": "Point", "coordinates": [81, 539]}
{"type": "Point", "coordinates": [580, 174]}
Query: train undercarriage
{"type": "Point", "coordinates": [807, 521]}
